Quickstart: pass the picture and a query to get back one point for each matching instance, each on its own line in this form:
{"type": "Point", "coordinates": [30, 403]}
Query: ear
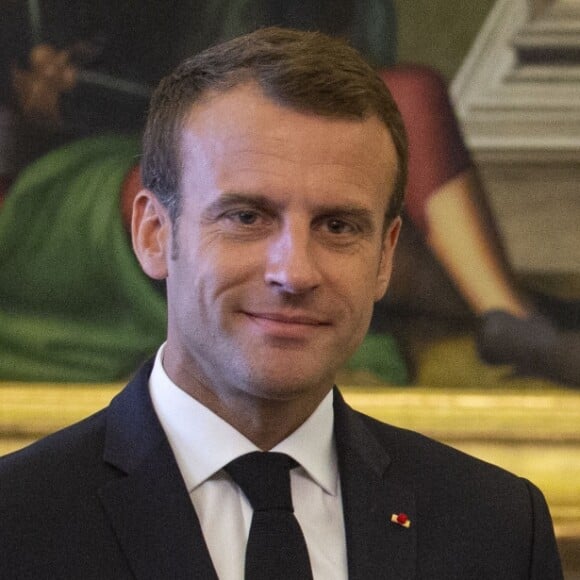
{"type": "Point", "coordinates": [151, 232]}
{"type": "Point", "coordinates": [390, 240]}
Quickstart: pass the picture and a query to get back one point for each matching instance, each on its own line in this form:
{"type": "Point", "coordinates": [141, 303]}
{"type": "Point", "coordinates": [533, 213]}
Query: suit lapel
{"type": "Point", "coordinates": [372, 492]}
{"type": "Point", "coordinates": [149, 507]}
{"type": "Point", "coordinates": [153, 519]}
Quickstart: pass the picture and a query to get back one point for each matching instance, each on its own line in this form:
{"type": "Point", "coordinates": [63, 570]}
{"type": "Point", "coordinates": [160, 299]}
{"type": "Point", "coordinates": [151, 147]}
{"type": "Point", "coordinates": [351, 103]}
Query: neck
{"type": "Point", "coordinates": [266, 422]}
{"type": "Point", "coordinates": [265, 414]}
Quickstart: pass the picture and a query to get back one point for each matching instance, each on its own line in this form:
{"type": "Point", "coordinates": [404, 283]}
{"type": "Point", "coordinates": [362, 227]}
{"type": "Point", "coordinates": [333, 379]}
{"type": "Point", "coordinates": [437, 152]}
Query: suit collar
{"type": "Point", "coordinates": [372, 491]}
{"type": "Point", "coordinates": [149, 507]}
{"type": "Point", "coordinates": [158, 530]}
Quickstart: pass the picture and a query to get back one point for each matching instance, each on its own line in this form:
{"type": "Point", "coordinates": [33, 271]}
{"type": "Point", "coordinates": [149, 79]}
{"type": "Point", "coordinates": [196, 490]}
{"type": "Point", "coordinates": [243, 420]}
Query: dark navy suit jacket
{"type": "Point", "coordinates": [104, 499]}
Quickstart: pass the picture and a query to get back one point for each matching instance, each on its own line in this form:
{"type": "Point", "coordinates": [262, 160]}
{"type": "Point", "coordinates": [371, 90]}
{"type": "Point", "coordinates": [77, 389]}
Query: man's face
{"type": "Point", "coordinates": [280, 252]}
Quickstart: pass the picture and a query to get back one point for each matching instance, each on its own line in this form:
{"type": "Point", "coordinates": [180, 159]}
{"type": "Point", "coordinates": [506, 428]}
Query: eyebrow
{"type": "Point", "coordinates": [229, 200]}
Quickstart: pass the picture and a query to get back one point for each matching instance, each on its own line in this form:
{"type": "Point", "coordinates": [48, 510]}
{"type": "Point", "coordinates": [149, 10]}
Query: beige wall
{"type": "Point", "coordinates": [439, 32]}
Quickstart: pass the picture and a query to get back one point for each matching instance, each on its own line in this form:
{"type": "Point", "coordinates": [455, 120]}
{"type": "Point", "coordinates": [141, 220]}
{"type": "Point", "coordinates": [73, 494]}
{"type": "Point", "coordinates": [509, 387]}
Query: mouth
{"type": "Point", "coordinates": [288, 318]}
{"type": "Point", "coordinates": [286, 325]}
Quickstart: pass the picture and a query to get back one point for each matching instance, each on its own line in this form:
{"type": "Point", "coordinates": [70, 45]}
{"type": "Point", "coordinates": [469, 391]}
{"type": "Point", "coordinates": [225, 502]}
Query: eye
{"type": "Point", "coordinates": [245, 217]}
{"type": "Point", "coordinates": [339, 226]}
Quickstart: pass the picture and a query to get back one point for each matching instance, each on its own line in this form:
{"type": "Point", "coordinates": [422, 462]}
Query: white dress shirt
{"type": "Point", "coordinates": [203, 444]}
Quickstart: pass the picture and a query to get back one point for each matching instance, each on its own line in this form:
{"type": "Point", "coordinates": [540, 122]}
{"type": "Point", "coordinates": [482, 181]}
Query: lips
{"type": "Point", "coordinates": [293, 318]}
{"type": "Point", "coordinates": [286, 325]}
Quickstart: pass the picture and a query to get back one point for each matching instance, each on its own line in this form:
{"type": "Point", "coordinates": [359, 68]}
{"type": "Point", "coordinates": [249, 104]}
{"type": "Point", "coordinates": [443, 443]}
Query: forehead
{"type": "Point", "coordinates": [241, 134]}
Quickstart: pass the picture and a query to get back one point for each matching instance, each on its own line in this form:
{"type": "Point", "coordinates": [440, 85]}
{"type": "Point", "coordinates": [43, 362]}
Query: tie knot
{"type": "Point", "coordinates": [264, 477]}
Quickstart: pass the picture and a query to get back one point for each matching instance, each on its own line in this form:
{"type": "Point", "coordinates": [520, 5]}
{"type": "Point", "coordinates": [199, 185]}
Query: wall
{"type": "Point", "coordinates": [439, 32]}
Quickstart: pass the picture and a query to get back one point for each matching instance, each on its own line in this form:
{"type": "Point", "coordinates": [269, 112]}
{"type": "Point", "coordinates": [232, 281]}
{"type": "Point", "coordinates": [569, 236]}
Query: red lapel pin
{"type": "Point", "coordinates": [401, 520]}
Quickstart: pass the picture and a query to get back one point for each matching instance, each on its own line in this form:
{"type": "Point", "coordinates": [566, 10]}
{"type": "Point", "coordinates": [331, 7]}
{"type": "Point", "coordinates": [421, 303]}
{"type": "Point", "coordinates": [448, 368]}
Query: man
{"type": "Point", "coordinates": [274, 167]}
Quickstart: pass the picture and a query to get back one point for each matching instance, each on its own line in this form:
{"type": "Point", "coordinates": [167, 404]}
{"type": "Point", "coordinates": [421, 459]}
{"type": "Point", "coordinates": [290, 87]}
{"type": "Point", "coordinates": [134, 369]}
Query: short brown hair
{"type": "Point", "coordinates": [306, 71]}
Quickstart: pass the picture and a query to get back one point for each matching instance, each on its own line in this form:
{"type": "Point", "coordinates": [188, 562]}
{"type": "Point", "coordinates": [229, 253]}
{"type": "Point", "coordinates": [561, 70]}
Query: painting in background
{"type": "Point", "coordinates": [76, 78]}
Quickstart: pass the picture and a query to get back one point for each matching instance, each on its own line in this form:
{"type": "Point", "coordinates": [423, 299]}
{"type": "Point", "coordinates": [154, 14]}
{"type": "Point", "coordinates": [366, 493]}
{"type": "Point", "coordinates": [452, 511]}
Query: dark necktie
{"type": "Point", "coordinates": [276, 548]}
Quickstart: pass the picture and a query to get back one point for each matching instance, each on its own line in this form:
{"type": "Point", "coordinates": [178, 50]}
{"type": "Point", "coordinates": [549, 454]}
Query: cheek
{"type": "Point", "coordinates": [233, 268]}
{"type": "Point", "coordinates": [215, 279]}
{"type": "Point", "coordinates": [356, 284]}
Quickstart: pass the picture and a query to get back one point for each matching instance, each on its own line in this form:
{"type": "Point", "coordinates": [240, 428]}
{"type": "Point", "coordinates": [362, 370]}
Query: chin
{"type": "Point", "coordinates": [289, 385]}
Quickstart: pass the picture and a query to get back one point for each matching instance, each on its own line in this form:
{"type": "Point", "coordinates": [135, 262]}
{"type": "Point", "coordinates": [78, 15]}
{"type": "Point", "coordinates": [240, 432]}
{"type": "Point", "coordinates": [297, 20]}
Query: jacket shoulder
{"type": "Point", "coordinates": [477, 507]}
{"type": "Point", "coordinates": [54, 456]}
{"type": "Point", "coordinates": [414, 451]}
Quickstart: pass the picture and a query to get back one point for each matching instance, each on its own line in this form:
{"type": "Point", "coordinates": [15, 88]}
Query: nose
{"type": "Point", "coordinates": [291, 263]}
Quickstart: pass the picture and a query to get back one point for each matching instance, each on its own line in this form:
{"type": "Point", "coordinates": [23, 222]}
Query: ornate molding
{"type": "Point", "coordinates": [517, 93]}
{"type": "Point", "coordinates": [551, 36]}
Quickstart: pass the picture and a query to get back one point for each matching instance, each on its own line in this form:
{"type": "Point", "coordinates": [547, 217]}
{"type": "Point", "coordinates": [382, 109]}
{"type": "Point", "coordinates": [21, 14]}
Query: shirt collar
{"type": "Point", "coordinates": [204, 443]}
